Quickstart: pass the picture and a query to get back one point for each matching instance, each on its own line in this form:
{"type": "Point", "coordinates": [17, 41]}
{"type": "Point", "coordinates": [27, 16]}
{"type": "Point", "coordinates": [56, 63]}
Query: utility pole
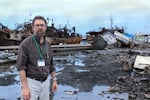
{"type": "Point", "coordinates": [111, 22]}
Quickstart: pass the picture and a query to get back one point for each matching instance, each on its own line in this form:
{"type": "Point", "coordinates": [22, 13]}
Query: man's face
{"type": "Point", "coordinates": [39, 27]}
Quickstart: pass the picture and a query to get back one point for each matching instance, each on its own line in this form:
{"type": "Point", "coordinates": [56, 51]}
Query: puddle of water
{"type": "Point", "coordinates": [71, 59]}
{"type": "Point", "coordinates": [60, 94]}
{"type": "Point", "coordinates": [11, 92]}
{"type": "Point", "coordinates": [6, 56]}
{"type": "Point", "coordinates": [96, 94]}
{"type": "Point", "coordinates": [79, 62]}
{"type": "Point", "coordinates": [80, 71]}
{"type": "Point", "coordinates": [59, 68]}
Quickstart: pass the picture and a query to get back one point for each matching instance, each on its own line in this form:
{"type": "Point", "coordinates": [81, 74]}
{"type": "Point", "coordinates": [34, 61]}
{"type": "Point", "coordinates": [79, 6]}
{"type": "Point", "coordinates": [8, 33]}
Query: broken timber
{"type": "Point", "coordinates": [63, 47]}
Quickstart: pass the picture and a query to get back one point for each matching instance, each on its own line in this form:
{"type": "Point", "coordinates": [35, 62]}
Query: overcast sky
{"type": "Point", "coordinates": [85, 15]}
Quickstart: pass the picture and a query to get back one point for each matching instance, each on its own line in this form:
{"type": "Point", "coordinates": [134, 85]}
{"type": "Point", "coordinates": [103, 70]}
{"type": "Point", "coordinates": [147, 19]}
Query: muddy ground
{"type": "Point", "coordinates": [108, 67]}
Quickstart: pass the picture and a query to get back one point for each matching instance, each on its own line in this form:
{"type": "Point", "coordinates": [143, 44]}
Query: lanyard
{"type": "Point", "coordinates": [38, 48]}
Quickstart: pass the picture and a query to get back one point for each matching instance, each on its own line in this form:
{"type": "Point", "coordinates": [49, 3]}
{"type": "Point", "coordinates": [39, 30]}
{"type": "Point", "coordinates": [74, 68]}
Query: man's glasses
{"type": "Point", "coordinates": [39, 25]}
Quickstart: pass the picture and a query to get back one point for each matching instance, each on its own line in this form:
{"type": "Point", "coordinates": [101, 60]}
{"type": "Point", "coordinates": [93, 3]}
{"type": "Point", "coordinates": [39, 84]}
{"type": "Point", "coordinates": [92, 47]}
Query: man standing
{"type": "Point", "coordinates": [35, 63]}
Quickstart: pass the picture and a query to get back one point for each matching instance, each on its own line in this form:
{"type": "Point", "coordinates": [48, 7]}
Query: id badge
{"type": "Point", "coordinates": [41, 63]}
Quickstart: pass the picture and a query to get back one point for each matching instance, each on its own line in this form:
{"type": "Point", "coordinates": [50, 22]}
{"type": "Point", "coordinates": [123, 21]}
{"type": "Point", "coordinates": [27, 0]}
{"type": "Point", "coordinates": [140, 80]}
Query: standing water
{"type": "Point", "coordinates": [10, 82]}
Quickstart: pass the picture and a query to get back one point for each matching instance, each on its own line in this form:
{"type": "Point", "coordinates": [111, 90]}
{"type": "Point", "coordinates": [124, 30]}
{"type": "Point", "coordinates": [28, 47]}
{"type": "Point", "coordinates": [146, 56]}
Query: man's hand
{"type": "Point", "coordinates": [54, 85]}
{"type": "Point", "coordinates": [26, 94]}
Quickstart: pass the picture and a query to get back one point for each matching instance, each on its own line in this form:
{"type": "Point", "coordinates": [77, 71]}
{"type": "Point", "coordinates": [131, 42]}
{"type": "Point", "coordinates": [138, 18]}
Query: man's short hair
{"type": "Point", "coordinates": [39, 17]}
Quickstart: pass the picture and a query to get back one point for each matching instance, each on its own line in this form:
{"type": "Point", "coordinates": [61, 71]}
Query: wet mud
{"type": "Point", "coordinates": [93, 74]}
{"type": "Point", "coordinates": [105, 67]}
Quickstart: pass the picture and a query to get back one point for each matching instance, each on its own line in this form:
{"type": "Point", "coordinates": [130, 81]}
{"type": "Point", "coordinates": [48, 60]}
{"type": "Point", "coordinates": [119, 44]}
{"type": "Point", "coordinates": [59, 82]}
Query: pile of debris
{"type": "Point", "coordinates": [110, 38]}
{"type": "Point", "coordinates": [57, 35]}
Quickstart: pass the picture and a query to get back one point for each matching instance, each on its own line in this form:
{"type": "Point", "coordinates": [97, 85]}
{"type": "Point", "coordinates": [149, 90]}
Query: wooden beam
{"type": "Point", "coordinates": [55, 47]}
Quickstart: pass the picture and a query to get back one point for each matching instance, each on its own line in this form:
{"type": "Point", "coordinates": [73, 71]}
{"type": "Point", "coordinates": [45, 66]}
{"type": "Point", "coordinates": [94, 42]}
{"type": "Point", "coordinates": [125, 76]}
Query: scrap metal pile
{"type": "Point", "coordinates": [57, 35]}
{"type": "Point", "coordinates": [115, 38]}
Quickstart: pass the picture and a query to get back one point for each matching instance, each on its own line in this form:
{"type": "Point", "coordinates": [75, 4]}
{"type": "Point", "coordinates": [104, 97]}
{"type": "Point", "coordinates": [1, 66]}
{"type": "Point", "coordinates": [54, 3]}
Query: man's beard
{"type": "Point", "coordinates": [39, 35]}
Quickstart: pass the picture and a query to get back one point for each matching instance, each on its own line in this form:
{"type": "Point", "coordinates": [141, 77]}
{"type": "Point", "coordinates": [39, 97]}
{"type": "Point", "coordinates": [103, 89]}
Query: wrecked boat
{"type": "Point", "coordinates": [5, 38]}
{"type": "Point", "coordinates": [108, 38]}
{"type": "Point", "coordinates": [114, 37]}
{"type": "Point", "coordinates": [54, 35]}
{"type": "Point", "coordinates": [63, 35]}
